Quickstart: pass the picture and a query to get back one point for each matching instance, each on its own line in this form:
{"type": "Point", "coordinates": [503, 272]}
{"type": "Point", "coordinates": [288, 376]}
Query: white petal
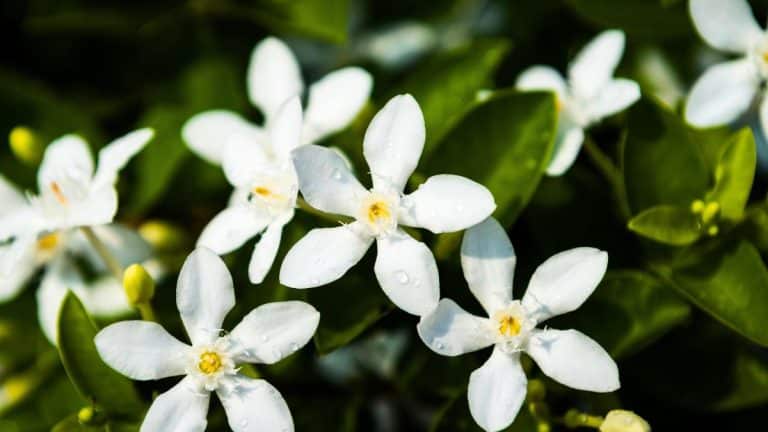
{"type": "Point", "coordinates": [273, 76]}
{"type": "Point", "coordinates": [181, 409]}
{"type": "Point", "coordinates": [325, 180]}
{"type": "Point", "coordinates": [447, 203]}
{"type": "Point", "coordinates": [542, 78]}
{"type": "Point", "coordinates": [204, 295]}
{"type": "Point", "coordinates": [407, 272]}
{"type": "Point", "coordinates": [497, 391]}
{"type": "Point", "coordinates": [334, 101]}
{"type": "Point", "coordinates": [246, 155]}
{"type": "Point", "coordinates": [564, 281]}
{"type": "Point", "coordinates": [450, 330]}
{"type": "Point", "coordinates": [726, 25]}
{"type": "Point", "coordinates": [255, 405]}
{"type": "Point", "coordinates": [68, 156]}
{"type": "Point", "coordinates": [142, 350]}
{"type": "Point", "coordinates": [324, 255]}
{"type": "Point", "coordinates": [567, 146]}
{"type": "Point", "coordinates": [114, 156]}
{"type": "Point", "coordinates": [573, 359]}
{"type": "Point", "coordinates": [722, 94]}
{"type": "Point", "coordinates": [488, 261]}
{"type": "Point", "coordinates": [125, 244]}
{"type": "Point", "coordinates": [105, 297]}
{"type": "Point", "coordinates": [207, 133]}
{"type": "Point", "coordinates": [593, 67]}
{"type": "Point", "coordinates": [264, 253]}
{"type": "Point", "coordinates": [393, 143]}
{"type": "Point", "coordinates": [98, 208]}
{"type": "Point", "coordinates": [232, 227]}
{"type": "Point", "coordinates": [274, 331]}
{"type": "Point", "coordinates": [10, 197]}
{"type": "Point", "coordinates": [21, 270]}
{"type": "Point", "coordinates": [615, 96]}
{"type": "Point", "coordinates": [285, 128]}
{"type": "Point", "coordinates": [763, 118]}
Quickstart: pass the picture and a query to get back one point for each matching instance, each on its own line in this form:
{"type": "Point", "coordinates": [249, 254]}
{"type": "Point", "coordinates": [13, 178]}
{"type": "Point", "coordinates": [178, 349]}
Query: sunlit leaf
{"type": "Point", "coordinates": [668, 224]}
{"type": "Point", "coordinates": [733, 175]}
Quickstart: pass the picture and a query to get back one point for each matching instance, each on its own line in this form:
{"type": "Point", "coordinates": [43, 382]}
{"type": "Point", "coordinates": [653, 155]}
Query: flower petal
{"type": "Point", "coordinates": [264, 252]}
{"type": "Point", "coordinates": [141, 350]}
{"type": "Point", "coordinates": [10, 196]}
{"type": "Point", "coordinates": [60, 276]}
{"type": "Point", "coordinates": [254, 405]}
{"type": "Point", "coordinates": [450, 330]}
{"type": "Point", "coordinates": [763, 121]}
{"type": "Point", "coordinates": [180, 409]}
{"type": "Point", "coordinates": [542, 78]}
{"type": "Point", "coordinates": [98, 209]}
{"type": "Point", "coordinates": [593, 67]}
{"type": "Point", "coordinates": [407, 272]}
{"type": "Point", "coordinates": [334, 101]}
{"type": "Point", "coordinates": [273, 76]}
{"type": "Point", "coordinates": [125, 244]}
{"type": "Point", "coordinates": [207, 133]}
{"type": "Point", "coordinates": [393, 143]}
{"type": "Point", "coordinates": [564, 281]}
{"type": "Point", "coordinates": [497, 391]}
{"type": "Point", "coordinates": [324, 255]}
{"type": "Point", "coordinates": [68, 156]}
{"type": "Point", "coordinates": [488, 261]}
{"type": "Point", "coordinates": [105, 297]}
{"type": "Point", "coordinates": [21, 270]}
{"type": "Point", "coordinates": [571, 358]}
{"type": "Point", "coordinates": [726, 25]}
{"type": "Point", "coordinates": [285, 128]}
{"type": "Point", "coordinates": [325, 180]}
{"type": "Point", "coordinates": [615, 96]}
{"type": "Point", "coordinates": [246, 154]}
{"type": "Point", "coordinates": [273, 331]}
{"type": "Point", "coordinates": [204, 295]}
{"type": "Point", "coordinates": [232, 227]}
{"type": "Point", "coordinates": [567, 146]}
{"type": "Point", "coordinates": [446, 203]}
{"type": "Point", "coordinates": [722, 94]}
{"type": "Point", "coordinates": [114, 156]}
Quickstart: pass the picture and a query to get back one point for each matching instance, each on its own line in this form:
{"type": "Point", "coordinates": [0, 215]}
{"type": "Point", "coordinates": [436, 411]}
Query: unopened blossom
{"type": "Point", "coordinates": [590, 94]}
{"type": "Point", "coordinates": [405, 267]}
{"type": "Point", "coordinates": [561, 284]}
{"type": "Point", "coordinates": [39, 231]}
{"type": "Point", "coordinates": [727, 90]}
{"type": "Point", "coordinates": [256, 159]}
{"type": "Point", "coordinates": [144, 350]}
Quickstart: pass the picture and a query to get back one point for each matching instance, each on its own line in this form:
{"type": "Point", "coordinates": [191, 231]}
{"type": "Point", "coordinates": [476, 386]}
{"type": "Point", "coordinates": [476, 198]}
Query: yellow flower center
{"type": "Point", "coordinates": [509, 325]}
{"type": "Point", "coordinates": [262, 191]}
{"type": "Point", "coordinates": [210, 362]}
{"type": "Point", "coordinates": [48, 242]}
{"type": "Point", "coordinates": [378, 211]}
{"type": "Point", "coordinates": [765, 56]}
{"type": "Point", "coordinates": [56, 189]}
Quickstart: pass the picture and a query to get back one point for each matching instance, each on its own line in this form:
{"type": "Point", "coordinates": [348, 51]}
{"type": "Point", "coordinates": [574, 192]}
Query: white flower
{"type": "Point", "coordinates": [143, 350]}
{"type": "Point", "coordinates": [590, 94]}
{"type": "Point", "coordinates": [727, 90]}
{"type": "Point", "coordinates": [405, 268]}
{"type": "Point", "coordinates": [256, 160]}
{"type": "Point", "coordinates": [561, 284]}
{"type": "Point", "coordinates": [39, 231]}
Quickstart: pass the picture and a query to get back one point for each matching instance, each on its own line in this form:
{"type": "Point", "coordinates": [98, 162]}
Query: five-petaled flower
{"type": "Point", "coordinates": [590, 94]}
{"type": "Point", "coordinates": [256, 160]}
{"type": "Point", "coordinates": [561, 284]}
{"type": "Point", "coordinates": [143, 350]}
{"type": "Point", "coordinates": [405, 268]}
{"type": "Point", "coordinates": [727, 90]}
{"type": "Point", "coordinates": [38, 231]}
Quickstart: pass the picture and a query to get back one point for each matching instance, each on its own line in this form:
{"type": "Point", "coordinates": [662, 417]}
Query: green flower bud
{"type": "Point", "coordinates": [25, 145]}
{"type": "Point", "coordinates": [138, 285]}
{"type": "Point", "coordinates": [90, 416]}
{"type": "Point", "coordinates": [162, 235]}
{"type": "Point", "coordinates": [624, 421]}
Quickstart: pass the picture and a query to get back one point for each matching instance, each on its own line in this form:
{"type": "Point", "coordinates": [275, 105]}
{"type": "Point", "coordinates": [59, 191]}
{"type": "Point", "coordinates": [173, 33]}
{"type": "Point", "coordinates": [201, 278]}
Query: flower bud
{"type": "Point", "coordinates": [138, 285]}
{"type": "Point", "coordinates": [162, 235]}
{"type": "Point", "coordinates": [710, 212]}
{"type": "Point", "coordinates": [90, 416]}
{"type": "Point", "coordinates": [624, 421]}
{"type": "Point", "coordinates": [697, 206]}
{"type": "Point", "coordinates": [25, 145]}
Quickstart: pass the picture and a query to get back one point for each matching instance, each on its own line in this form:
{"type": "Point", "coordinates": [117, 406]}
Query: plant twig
{"type": "Point", "coordinates": [612, 174]}
{"type": "Point", "coordinates": [109, 260]}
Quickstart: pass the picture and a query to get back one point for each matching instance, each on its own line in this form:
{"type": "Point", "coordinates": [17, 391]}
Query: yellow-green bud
{"type": "Point", "coordinates": [25, 145]}
{"type": "Point", "coordinates": [162, 235]}
{"type": "Point", "coordinates": [697, 206]}
{"type": "Point", "coordinates": [713, 230]}
{"type": "Point", "coordinates": [90, 416]}
{"type": "Point", "coordinates": [138, 284]}
{"type": "Point", "coordinates": [574, 419]}
{"type": "Point", "coordinates": [537, 391]}
{"type": "Point", "coordinates": [624, 421]}
{"type": "Point", "coordinates": [710, 212]}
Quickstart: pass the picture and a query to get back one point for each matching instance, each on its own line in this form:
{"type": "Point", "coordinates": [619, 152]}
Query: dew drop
{"type": "Point", "coordinates": [276, 353]}
{"type": "Point", "coordinates": [440, 345]}
{"type": "Point", "coordinates": [264, 338]}
{"type": "Point", "coordinates": [314, 281]}
{"type": "Point", "coordinates": [459, 208]}
{"type": "Point", "coordinates": [402, 277]}
{"type": "Point", "coordinates": [406, 202]}
{"type": "Point", "coordinates": [294, 347]}
{"type": "Point", "coordinates": [244, 423]}
{"type": "Point", "coordinates": [336, 174]}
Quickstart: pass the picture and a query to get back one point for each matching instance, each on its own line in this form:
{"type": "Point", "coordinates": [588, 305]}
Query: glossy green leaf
{"type": "Point", "coordinates": [96, 381]}
{"type": "Point", "coordinates": [734, 174]}
{"type": "Point", "coordinates": [325, 19]}
{"type": "Point", "coordinates": [648, 18]}
{"type": "Point", "coordinates": [447, 85]}
{"type": "Point", "coordinates": [71, 424]}
{"type": "Point", "coordinates": [729, 283]}
{"type": "Point", "coordinates": [667, 224]}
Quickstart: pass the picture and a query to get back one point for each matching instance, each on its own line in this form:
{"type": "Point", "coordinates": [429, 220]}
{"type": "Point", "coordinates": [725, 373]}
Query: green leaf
{"type": "Point", "coordinates": [645, 18]}
{"type": "Point", "coordinates": [640, 308]}
{"type": "Point", "coordinates": [668, 224]}
{"type": "Point", "coordinates": [728, 282]}
{"type": "Point", "coordinates": [734, 174]}
{"type": "Point", "coordinates": [96, 381]}
{"type": "Point", "coordinates": [71, 424]}
{"type": "Point", "coordinates": [446, 86]}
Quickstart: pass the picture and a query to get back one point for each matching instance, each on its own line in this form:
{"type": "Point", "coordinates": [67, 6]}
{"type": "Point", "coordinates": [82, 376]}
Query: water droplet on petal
{"type": "Point", "coordinates": [336, 174]}
{"type": "Point", "coordinates": [264, 338]}
{"type": "Point", "coordinates": [244, 423]}
{"type": "Point", "coordinates": [440, 345]}
{"type": "Point", "coordinates": [294, 347]}
{"type": "Point", "coordinates": [402, 277]}
{"type": "Point", "coordinates": [459, 208]}
{"type": "Point", "coordinates": [276, 353]}
{"type": "Point", "coordinates": [314, 281]}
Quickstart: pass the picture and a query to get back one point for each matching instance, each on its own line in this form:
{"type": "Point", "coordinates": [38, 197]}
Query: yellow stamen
{"type": "Point", "coordinates": [210, 362]}
{"type": "Point", "coordinates": [56, 189]}
{"type": "Point", "coordinates": [48, 242]}
{"type": "Point", "coordinates": [765, 56]}
{"type": "Point", "coordinates": [559, 105]}
{"type": "Point", "coordinates": [378, 211]}
{"type": "Point", "coordinates": [509, 326]}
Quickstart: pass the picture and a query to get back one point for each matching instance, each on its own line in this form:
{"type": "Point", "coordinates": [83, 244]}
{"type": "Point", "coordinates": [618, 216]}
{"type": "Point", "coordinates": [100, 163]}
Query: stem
{"type": "Point", "coordinates": [146, 311]}
{"type": "Point", "coordinates": [303, 205]}
{"type": "Point", "coordinates": [612, 174]}
{"type": "Point", "coordinates": [111, 262]}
